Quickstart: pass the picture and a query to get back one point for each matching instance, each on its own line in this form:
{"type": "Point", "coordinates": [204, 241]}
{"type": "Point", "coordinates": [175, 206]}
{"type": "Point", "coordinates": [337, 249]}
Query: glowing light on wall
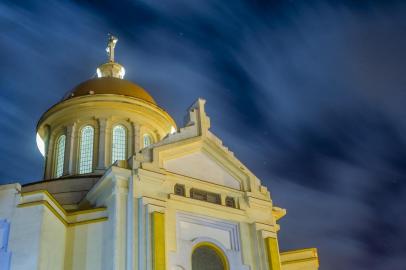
{"type": "Point", "coordinates": [86, 150]}
{"type": "Point", "coordinates": [60, 155]}
{"type": "Point", "coordinates": [147, 140]}
{"type": "Point", "coordinates": [40, 145]}
{"type": "Point", "coordinates": [122, 73]}
{"type": "Point", "coordinates": [118, 144]}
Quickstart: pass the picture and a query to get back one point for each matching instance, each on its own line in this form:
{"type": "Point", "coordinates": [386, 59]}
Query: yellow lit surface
{"type": "Point", "coordinates": [111, 85]}
{"type": "Point", "coordinates": [300, 259]}
{"type": "Point", "coordinates": [158, 241]}
{"type": "Point", "coordinates": [217, 250]}
{"type": "Point", "coordinates": [273, 253]}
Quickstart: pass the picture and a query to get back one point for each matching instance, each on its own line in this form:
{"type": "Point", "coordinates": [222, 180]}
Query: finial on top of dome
{"type": "Point", "coordinates": [111, 68]}
{"type": "Point", "coordinates": [110, 47]}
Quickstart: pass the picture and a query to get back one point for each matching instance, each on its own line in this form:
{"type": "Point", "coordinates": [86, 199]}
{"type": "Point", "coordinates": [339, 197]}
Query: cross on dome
{"type": "Point", "coordinates": [110, 47]}
{"type": "Point", "coordinates": [111, 68]}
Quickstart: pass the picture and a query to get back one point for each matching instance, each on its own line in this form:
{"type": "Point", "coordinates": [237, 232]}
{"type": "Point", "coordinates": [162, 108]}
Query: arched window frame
{"type": "Point", "coordinates": [146, 137]}
{"type": "Point", "coordinates": [89, 164]}
{"type": "Point", "coordinates": [59, 155]}
{"type": "Point", "coordinates": [219, 251]}
{"type": "Point", "coordinates": [125, 146]}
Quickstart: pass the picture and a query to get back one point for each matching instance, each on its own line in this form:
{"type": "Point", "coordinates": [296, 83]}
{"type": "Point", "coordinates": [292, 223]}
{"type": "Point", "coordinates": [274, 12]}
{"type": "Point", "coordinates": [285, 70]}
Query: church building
{"type": "Point", "coordinates": [124, 188]}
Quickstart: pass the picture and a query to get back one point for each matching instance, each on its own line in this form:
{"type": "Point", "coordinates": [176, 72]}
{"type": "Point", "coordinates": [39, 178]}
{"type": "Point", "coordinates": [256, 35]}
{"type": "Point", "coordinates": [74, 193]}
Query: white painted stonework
{"type": "Point", "coordinates": [193, 229]}
{"type": "Point", "coordinates": [200, 166]}
{"type": "Point", "coordinates": [129, 216]}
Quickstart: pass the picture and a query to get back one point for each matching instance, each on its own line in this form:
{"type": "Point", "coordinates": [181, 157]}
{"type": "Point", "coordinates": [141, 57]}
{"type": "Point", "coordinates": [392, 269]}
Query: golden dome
{"type": "Point", "coordinates": [110, 85]}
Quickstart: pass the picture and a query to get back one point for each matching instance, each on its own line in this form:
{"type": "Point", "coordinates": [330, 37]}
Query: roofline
{"type": "Point", "coordinates": [86, 96]}
{"type": "Point", "coordinates": [64, 178]}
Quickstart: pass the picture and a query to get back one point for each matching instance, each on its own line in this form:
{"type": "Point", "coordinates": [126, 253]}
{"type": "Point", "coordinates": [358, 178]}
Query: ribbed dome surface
{"type": "Point", "coordinates": [110, 85]}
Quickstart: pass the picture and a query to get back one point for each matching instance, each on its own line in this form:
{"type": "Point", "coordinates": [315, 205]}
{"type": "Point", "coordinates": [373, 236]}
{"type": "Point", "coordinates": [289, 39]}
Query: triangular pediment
{"type": "Point", "coordinates": [201, 166]}
{"type": "Point", "coordinates": [193, 151]}
{"type": "Point", "coordinates": [202, 159]}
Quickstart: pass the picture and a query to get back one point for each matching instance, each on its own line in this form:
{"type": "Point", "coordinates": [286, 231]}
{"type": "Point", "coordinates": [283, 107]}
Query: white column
{"type": "Point", "coordinates": [131, 227]}
{"type": "Point", "coordinates": [120, 223]}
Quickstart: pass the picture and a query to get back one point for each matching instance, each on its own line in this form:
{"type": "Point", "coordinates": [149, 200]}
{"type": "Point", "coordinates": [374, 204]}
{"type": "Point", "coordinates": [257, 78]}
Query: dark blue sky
{"type": "Point", "coordinates": [309, 94]}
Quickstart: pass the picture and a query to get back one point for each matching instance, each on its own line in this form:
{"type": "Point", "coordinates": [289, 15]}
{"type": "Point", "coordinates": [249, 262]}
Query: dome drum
{"type": "Point", "coordinates": [103, 110]}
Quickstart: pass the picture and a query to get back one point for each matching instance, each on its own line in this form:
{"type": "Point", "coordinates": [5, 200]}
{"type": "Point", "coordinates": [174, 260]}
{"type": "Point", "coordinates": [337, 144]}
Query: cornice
{"type": "Point", "coordinates": [74, 218]}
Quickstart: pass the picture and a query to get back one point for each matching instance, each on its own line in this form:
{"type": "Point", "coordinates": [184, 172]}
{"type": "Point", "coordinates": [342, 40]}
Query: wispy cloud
{"type": "Point", "coordinates": [309, 95]}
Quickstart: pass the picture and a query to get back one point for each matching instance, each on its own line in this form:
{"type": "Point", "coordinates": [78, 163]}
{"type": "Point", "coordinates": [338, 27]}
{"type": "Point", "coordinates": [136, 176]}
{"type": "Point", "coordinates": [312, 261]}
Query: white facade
{"type": "Point", "coordinates": [115, 231]}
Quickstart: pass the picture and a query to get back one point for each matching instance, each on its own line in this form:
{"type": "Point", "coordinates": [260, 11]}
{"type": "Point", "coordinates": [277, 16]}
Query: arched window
{"type": "Point", "coordinates": [208, 257]}
{"type": "Point", "coordinates": [59, 155]}
{"type": "Point", "coordinates": [147, 140]}
{"type": "Point", "coordinates": [86, 150]}
{"type": "Point", "coordinates": [118, 148]}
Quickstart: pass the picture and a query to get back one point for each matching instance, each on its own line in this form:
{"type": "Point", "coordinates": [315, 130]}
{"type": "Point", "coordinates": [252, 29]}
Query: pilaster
{"type": "Point", "coordinates": [46, 139]}
{"type": "Point", "coordinates": [151, 248]}
{"type": "Point", "coordinates": [69, 149]}
{"type": "Point", "coordinates": [49, 158]}
{"type": "Point", "coordinates": [120, 222]}
{"type": "Point", "coordinates": [272, 251]}
{"type": "Point", "coordinates": [101, 162]}
{"type": "Point", "coordinates": [158, 241]}
{"type": "Point", "coordinates": [72, 144]}
{"type": "Point", "coordinates": [136, 137]}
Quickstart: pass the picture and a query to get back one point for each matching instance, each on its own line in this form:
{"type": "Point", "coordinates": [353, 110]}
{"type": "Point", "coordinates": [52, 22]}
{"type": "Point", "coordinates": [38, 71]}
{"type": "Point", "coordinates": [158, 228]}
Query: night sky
{"type": "Point", "coordinates": [310, 95]}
